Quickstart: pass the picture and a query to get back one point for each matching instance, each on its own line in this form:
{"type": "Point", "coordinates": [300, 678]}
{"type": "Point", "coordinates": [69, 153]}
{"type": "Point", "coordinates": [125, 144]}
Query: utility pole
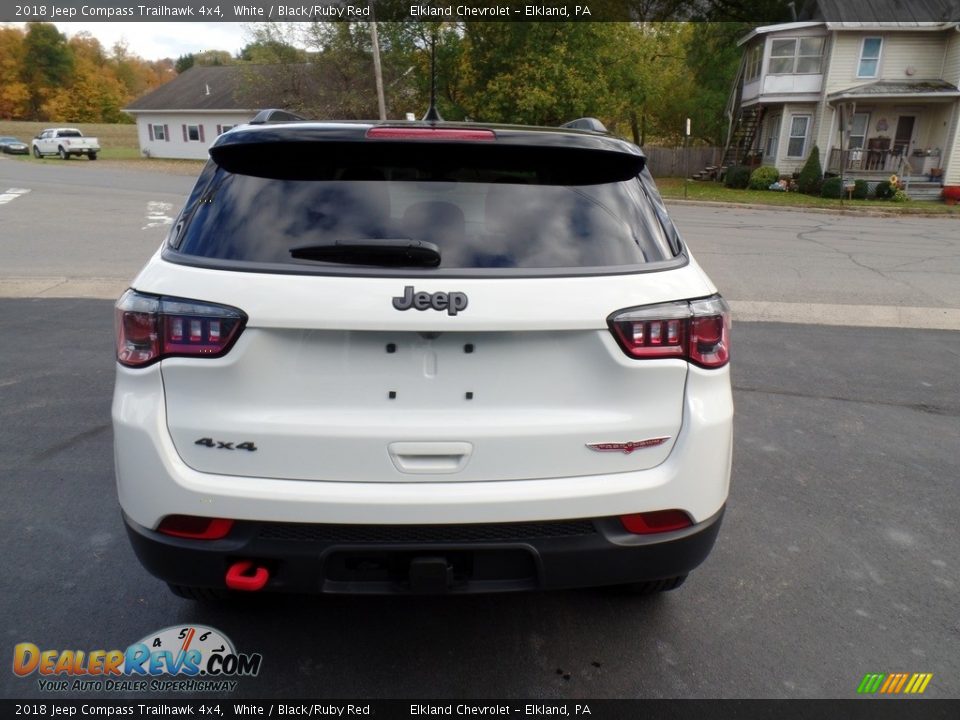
{"type": "Point", "coordinates": [377, 70]}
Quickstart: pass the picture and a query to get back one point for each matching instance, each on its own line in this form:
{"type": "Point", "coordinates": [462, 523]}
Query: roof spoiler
{"type": "Point", "coordinates": [586, 123]}
{"type": "Point", "coordinates": [274, 115]}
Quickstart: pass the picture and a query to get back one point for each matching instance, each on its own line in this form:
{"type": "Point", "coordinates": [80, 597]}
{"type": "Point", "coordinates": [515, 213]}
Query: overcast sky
{"type": "Point", "coordinates": [155, 40]}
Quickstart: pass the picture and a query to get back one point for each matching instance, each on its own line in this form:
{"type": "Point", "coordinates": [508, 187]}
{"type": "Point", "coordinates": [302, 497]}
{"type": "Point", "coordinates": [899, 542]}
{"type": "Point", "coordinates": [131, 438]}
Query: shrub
{"type": "Point", "coordinates": [763, 177]}
{"type": "Point", "coordinates": [884, 190]}
{"type": "Point", "coordinates": [860, 190]}
{"type": "Point", "coordinates": [900, 196]}
{"type": "Point", "coordinates": [832, 188]}
{"type": "Point", "coordinates": [738, 177]}
{"type": "Point", "coordinates": [811, 176]}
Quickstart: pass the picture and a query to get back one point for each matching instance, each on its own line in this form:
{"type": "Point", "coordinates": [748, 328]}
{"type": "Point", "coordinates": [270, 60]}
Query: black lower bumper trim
{"type": "Point", "coordinates": [411, 559]}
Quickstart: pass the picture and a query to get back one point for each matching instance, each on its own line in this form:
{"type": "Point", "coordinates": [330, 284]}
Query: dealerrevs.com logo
{"type": "Point", "coordinates": [193, 658]}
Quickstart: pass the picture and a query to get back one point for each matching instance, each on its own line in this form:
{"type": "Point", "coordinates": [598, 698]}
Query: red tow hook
{"type": "Point", "coordinates": [240, 577]}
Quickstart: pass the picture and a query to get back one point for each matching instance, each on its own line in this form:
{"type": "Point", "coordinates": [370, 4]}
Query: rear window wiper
{"type": "Point", "coordinates": [384, 252]}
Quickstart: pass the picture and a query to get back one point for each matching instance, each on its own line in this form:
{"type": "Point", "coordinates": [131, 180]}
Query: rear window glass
{"type": "Point", "coordinates": [477, 219]}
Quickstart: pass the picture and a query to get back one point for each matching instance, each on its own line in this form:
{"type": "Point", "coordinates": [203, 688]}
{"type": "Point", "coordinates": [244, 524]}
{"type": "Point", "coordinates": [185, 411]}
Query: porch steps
{"type": "Point", "coordinates": [924, 191]}
{"type": "Point", "coordinates": [708, 173]}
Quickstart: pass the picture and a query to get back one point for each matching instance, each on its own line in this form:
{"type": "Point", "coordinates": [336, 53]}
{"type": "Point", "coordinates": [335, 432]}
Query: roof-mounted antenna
{"type": "Point", "coordinates": [433, 115]}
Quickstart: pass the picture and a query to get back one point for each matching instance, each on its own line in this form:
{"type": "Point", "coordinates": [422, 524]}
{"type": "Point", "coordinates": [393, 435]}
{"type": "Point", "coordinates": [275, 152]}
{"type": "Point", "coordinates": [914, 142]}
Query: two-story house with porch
{"type": "Point", "coordinates": [875, 97]}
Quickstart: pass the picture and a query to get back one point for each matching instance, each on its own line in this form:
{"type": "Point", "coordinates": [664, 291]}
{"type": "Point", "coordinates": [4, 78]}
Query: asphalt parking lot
{"type": "Point", "coordinates": [838, 555]}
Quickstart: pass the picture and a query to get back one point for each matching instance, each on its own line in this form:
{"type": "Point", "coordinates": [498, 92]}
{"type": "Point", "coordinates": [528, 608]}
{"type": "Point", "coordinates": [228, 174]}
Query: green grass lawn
{"type": "Point", "coordinates": [672, 188]}
{"type": "Point", "coordinates": [117, 142]}
{"type": "Point", "coordinates": [118, 145]}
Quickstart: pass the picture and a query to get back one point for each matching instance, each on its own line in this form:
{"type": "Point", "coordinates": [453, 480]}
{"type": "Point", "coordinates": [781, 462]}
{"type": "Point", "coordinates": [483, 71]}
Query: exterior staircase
{"type": "Point", "coordinates": [746, 128]}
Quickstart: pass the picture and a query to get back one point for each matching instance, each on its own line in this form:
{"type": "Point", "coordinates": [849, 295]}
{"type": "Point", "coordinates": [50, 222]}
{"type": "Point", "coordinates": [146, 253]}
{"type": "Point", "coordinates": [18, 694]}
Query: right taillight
{"type": "Point", "coordinates": [697, 331]}
{"type": "Point", "coordinates": [150, 328]}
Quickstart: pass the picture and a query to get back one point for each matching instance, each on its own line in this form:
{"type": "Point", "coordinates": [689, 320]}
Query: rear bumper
{"type": "Point", "coordinates": [153, 481]}
{"type": "Point", "coordinates": [501, 557]}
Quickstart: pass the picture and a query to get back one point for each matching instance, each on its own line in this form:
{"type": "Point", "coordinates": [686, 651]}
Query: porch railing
{"type": "Point", "coordinates": [862, 160]}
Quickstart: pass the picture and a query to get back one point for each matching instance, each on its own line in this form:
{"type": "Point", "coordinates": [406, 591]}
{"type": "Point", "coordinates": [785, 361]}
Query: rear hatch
{"type": "Point", "coordinates": [423, 310]}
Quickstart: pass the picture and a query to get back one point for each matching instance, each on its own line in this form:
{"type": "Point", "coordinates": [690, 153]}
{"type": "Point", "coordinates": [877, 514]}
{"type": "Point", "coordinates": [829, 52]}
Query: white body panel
{"type": "Point", "coordinates": [154, 482]}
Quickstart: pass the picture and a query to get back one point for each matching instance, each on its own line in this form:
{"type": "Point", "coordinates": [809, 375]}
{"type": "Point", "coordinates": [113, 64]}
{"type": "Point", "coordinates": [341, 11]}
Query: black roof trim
{"type": "Point", "coordinates": [356, 132]}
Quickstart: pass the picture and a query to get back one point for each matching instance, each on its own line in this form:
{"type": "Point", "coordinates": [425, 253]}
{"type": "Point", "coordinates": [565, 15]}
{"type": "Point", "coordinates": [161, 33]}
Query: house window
{"type": "Point", "coordinates": [869, 57]}
{"type": "Point", "coordinates": [858, 130]}
{"type": "Point", "coordinates": [159, 132]}
{"type": "Point", "coordinates": [193, 133]}
{"type": "Point", "coordinates": [799, 125]}
{"type": "Point", "coordinates": [754, 58]}
{"type": "Point", "coordinates": [224, 128]}
{"type": "Point", "coordinates": [798, 56]}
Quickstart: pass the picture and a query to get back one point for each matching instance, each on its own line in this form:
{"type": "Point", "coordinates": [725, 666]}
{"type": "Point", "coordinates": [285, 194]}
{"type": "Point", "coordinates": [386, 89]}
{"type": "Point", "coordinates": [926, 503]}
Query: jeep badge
{"type": "Point", "coordinates": [452, 302]}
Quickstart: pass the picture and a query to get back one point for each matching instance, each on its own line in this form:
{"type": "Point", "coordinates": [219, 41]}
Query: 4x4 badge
{"type": "Point", "coordinates": [627, 447]}
{"type": "Point", "coordinates": [452, 302]}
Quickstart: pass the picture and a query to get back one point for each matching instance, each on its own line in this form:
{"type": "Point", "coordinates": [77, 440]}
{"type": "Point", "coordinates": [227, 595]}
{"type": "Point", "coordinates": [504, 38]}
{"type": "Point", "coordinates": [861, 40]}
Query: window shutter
{"type": "Point", "coordinates": [150, 131]}
{"type": "Point", "coordinates": [201, 132]}
{"type": "Point", "coordinates": [184, 132]}
{"type": "Point", "coordinates": [166, 133]}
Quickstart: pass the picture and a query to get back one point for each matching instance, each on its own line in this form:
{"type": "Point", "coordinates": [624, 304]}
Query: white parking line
{"type": "Point", "coordinates": [157, 214]}
{"type": "Point", "coordinates": [12, 194]}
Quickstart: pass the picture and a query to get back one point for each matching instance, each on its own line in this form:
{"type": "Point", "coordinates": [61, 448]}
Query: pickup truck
{"type": "Point", "coordinates": [65, 142]}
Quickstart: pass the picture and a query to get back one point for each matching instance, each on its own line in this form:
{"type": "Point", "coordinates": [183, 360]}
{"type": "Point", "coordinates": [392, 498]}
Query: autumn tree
{"type": "Point", "coordinates": [14, 93]}
{"type": "Point", "coordinates": [47, 65]}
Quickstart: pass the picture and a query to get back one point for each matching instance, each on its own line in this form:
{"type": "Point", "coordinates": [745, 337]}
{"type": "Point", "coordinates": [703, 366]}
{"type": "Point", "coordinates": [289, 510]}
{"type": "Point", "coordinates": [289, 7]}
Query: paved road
{"type": "Point", "coordinates": [81, 229]}
{"type": "Point", "coordinates": [830, 269]}
{"type": "Point", "coordinates": [838, 555]}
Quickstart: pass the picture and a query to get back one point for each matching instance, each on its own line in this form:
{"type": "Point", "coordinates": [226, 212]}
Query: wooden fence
{"type": "Point", "coordinates": [679, 161]}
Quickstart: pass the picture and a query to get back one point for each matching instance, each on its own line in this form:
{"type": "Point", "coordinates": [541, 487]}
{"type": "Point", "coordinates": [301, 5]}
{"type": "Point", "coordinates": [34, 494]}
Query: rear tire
{"type": "Point", "coordinates": [36, 153]}
{"type": "Point", "coordinates": [200, 594]}
{"type": "Point", "coordinates": [92, 156]}
{"type": "Point", "coordinates": [64, 155]}
{"type": "Point", "coordinates": [651, 587]}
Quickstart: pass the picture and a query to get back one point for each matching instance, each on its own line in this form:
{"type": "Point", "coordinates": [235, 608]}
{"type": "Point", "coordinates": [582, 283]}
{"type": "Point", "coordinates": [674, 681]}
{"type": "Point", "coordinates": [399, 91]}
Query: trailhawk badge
{"type": "Point", "coordinates": [452, 302]}
{"type": "Point", "coordinates": [627, 447]}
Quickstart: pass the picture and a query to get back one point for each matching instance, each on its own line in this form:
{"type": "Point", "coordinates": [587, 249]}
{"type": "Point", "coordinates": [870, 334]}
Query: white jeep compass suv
{"type": "Point", "coordinates": [421, 357]}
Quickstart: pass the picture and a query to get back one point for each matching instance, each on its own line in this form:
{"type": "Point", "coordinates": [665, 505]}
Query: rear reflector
{"type": "Point", "coordinates": [429, 133]}
{"type": "Point", "coordinates": [660, 521]}
{"type": "Point", "coordinates": [150, 328]}
{"type": "Point", "coordinates": [195, 528]}
{"type": "Point", "coordinates": [697, 331]}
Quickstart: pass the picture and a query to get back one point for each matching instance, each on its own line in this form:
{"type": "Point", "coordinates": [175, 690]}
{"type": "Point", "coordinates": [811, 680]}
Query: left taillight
{"type": "Point", "coordinates": [150, 328]}
{"type": "Point", "coordinates": [697, 331]}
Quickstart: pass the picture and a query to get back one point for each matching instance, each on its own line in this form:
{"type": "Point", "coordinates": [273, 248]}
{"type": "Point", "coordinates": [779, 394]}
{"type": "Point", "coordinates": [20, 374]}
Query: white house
{"type": "Point", "coordinates": [876, 98]}
{"type": "Point", "coordinates": [183, 117]}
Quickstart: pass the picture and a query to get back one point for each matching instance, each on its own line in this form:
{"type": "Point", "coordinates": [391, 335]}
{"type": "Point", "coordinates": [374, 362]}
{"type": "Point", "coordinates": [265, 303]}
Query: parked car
{"type": "Point", "coordinates": [422, 357]}
{"type": "Point", "coordinates": [12, 146]}
{"type": "Point", "coordinates": [65, 142]}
